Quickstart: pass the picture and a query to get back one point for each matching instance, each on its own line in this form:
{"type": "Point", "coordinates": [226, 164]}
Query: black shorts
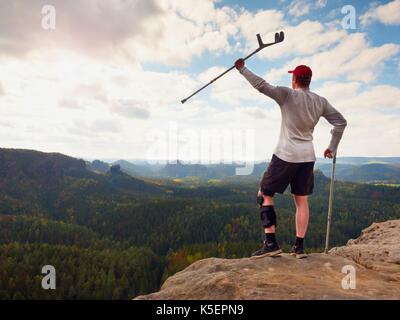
{"type": "Point", "coordinates": [281, 173]}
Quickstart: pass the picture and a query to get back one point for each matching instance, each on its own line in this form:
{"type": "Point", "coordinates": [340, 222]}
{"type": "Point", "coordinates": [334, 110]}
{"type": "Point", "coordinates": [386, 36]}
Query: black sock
{"type": "Point", "coordinates": [270, 238]}
{"type": "Point", "coordinates": [299, 242]}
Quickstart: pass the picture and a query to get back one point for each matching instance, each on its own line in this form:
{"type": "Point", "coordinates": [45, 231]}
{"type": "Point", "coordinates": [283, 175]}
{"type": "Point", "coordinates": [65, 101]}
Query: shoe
{"type": "Point", "coordinates": [298, 252]}
{"type": "Point", "coordinates": [268, 250]}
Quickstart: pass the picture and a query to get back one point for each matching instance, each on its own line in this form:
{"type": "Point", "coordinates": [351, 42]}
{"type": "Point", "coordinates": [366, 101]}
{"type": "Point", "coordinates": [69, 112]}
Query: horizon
{"type": "Point", "coordinates": [256, 161]}
{"type": "Point", "coordinates": [109, 160]}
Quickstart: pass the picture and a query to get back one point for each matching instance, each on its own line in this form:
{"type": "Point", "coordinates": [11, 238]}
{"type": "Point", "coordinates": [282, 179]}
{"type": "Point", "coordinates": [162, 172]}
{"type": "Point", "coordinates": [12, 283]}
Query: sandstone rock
{"type": "Point", "coordinates": [378, 248]}
{"type": "Point", "coordinates": [374, 255]}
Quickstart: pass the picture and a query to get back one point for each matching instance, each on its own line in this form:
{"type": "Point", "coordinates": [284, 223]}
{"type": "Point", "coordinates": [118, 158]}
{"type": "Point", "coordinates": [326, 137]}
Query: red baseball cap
{"type": "Point", "coordinates": [301, 70]}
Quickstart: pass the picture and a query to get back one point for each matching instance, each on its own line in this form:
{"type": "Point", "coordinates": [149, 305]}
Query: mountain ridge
{"type": "Point", "coordinates": [354, 169]}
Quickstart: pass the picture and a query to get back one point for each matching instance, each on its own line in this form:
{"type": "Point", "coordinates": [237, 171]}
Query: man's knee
{"type": "Point", "coordinates": [300, 200]}
{"type": "Point", "coordinates": [264, 199]}
{"type": "Point", "coordinates": [268, 216]}
{"type": "Point", "coordinates": [267, 192]}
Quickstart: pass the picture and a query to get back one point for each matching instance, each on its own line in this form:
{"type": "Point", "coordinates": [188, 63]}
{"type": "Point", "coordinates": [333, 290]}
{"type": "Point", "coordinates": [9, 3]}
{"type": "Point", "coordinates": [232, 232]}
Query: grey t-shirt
{"type": "Point", "coordinates": [301, 110]}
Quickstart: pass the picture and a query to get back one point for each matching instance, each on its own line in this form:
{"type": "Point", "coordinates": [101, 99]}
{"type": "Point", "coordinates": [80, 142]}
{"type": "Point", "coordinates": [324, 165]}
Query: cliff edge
{"type": "Point", "coordinates": [374, 256]}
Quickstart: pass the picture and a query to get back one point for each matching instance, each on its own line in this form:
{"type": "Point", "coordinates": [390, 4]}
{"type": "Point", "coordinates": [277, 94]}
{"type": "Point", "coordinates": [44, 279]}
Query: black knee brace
{"type": "Point", "coordinates": [268, 216]}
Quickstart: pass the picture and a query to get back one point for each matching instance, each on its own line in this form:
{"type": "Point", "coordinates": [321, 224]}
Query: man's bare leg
{"type": "Point", "coordinates": [302, 215]}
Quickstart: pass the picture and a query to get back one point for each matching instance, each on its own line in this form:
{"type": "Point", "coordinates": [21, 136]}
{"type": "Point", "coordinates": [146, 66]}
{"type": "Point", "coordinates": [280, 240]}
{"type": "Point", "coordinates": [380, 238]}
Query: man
{"type": "Point", "coordinates": [294, 157]}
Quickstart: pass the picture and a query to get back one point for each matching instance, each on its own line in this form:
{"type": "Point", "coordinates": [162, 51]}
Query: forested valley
{"type": "Point", "coordinates": [113, 236]}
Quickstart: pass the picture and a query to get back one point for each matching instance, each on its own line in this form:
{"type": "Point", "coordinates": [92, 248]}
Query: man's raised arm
{"type": "Point", "coordinates": [279, 94]}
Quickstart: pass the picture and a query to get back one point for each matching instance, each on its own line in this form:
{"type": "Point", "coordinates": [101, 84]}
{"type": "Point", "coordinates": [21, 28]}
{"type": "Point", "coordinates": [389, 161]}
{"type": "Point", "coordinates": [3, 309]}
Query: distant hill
{"type": "Point", "coordinates": [138, 170]}
{"type": "Point", "coordinates": [366, 173]}
{"type": "Point", "coordinates": [38, 181]}
{"type": "Point", "coordinates": [356, 169]}
{"type": "Point", "coordinates": [178, 169]}
{"type": "Point", "coordinates": [98, 166]}
{"type": "Point", "coordinates": [362, 160]}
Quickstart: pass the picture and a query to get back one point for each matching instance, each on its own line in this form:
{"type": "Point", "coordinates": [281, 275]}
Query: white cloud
{"type": "Point", "coordinates": [92, 130]}
{"type": "Point", "coordinates": [376, 98]}
{"type": "Point", "coordinates": [388, 14]}
{"type": "Point", "coordinates": [232, 88]}
{"type": "Point", "coordinates": [255, 112]}
{"type": "Point", "coordinates": [6, 124]}
{"type": "Point", "coordinates": [372, 117]}
{"type": "Point", "coordinates": [354, 96]}
{"type": "Point", "coordinates": [338, 92]}
{"type": "Point", "coordinates": [70, 102]}
{"type": "Point", "coordinates": [93, 91]}
{"type": "Point", "coordinates": [250, 24]}
{"type": "Point", "coordinates": [169, 32]}
{"type": "Point", "coordinates": [102, 125]}
{"type": "Point", "coordinates": [83, 95]}
{"type": "Point", "coordinates": [308, 37]}
{"type": "Point", "coordinates": [130, 109]}
{"type": "Point", "coordinates": [333, 13]}
{"type": "Point", "coordinates": [187, 29]}
{"type": "Point", "coordinates": [96, 27]}
{"type": "Point", "coordinates": [353, 58]}
{"type": "Point", "coordinates": [299, 8]}
{"type": "Point", "coordinates": [321, 3]}
{"type": "Point", "coordinates": [166, 31]}
{"type": "Point", "coordinates": [363, 135]}
{"type": "Point", "coordinates": [110, 102]}
{"type": "Point", "coordinates": [365, 128]}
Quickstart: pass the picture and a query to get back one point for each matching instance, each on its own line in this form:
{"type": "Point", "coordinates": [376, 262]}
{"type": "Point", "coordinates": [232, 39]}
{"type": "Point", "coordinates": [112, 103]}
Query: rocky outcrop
{"type": "Point", "coordinates": [374, 256]}
{"type": "Point", "coordinates": [378, 248]}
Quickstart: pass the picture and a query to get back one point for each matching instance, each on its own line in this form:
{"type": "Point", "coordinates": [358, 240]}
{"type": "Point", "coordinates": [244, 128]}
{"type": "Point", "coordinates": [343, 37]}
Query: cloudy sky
{"type": "Point", "coordinates": [108, 80]}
